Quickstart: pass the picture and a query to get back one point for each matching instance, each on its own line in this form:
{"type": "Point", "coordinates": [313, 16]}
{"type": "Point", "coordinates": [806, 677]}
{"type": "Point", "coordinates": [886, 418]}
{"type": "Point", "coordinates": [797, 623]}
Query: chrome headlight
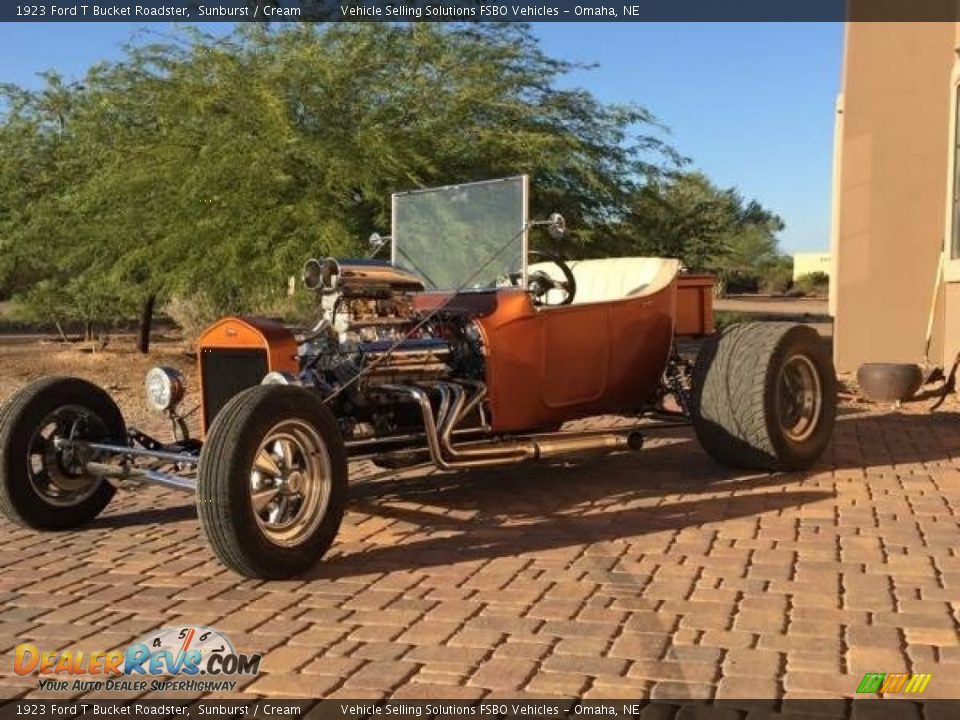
{"type": "Point", "coordinates": [165, 388]}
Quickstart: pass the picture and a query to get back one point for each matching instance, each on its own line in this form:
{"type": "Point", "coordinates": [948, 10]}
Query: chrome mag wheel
{"type": "Point", "coordinates": [274, 452]}
{"type": "Point", "coordinates": [290, 482]}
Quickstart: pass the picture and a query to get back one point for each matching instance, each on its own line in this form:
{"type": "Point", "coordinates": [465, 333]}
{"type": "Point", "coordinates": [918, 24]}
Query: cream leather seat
{"type": "Point", "coordinates": [606, 279]}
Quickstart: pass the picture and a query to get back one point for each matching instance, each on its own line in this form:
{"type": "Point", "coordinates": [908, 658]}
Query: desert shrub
{"type": "Point", "coordinates": [76, 303]}
{"type": "Point", "coordinates": [191, 313]}
{"type": "Point", "coordinates": [776, 280]}
{"type": "Point", "coordinates": [194, 313]}
{"type": "Point", "coordinates": [770, 276]}
{"type": "Point", "coordinates": [302, 308]}
{"type": "Point", "coordinates": [738, 282]}
{"type": "Point", "coordinates": [815, 283]}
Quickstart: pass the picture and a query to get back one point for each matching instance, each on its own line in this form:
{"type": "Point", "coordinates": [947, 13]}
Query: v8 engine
{"type": "Point", "coordinates": [371, 327]}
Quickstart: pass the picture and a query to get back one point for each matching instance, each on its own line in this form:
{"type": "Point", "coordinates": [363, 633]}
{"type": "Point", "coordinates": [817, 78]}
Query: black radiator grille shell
{"type": "Point", "coordinates": [226, 372]}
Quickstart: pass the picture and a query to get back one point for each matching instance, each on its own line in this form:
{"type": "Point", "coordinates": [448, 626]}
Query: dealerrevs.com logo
{"type": "Point", "coordinates": [204, 655]}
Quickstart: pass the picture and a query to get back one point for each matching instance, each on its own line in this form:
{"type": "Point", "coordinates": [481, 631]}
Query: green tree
{"type": "Point", "coordinates": [684, 215]}
{"type": "Point", "coordinates": [213, 166]}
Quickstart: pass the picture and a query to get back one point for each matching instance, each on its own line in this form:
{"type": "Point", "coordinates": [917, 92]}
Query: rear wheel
{"type": "Point", "coordinates": [41, 485]}
{"type": "Point", "coordinates": [764, 396]}
{"type": "Point", "coordinates": [272, 482]}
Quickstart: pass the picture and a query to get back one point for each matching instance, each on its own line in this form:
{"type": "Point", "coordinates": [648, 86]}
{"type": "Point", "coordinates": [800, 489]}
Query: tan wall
{"type": "Point", "coordinates": [806, 263]}
{"type": "Point", "coordinates": [835, 199]}
{"type": "Point", "coordinates": [949, 310]}
{"type": "Point", "coordinates": [892, 187]}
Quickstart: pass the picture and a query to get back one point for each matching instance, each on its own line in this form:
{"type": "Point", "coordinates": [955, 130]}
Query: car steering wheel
{"type": "Point", "coordinates": [539, 283]}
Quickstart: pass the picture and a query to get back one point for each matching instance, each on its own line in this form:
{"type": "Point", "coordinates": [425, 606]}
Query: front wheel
{"type": "Point", "coordinates": [764, 396]}
{"type": "Point", "coordinates": [272, 482]}
{"type": "Point", "coordinates": [42, 485]}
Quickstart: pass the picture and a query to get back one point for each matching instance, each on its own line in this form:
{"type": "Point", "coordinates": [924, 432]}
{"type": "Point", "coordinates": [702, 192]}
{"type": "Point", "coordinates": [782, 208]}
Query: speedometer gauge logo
{"type": "Point", "coordinates": [188, 650]}
{"type": "Point", "coordinates": [200, 639]}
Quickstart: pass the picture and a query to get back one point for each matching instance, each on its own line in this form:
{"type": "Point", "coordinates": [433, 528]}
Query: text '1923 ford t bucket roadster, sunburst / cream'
{"type": "Point", "coordinates": [458, 353]}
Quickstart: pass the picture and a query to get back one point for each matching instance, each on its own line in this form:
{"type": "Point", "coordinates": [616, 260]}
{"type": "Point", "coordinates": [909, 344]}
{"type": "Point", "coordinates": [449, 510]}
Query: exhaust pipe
{"type": "Point", "coordinates": [490, 454]}
{"type": "Point", "coordinates": [433, 436]}
{"type": "Point", "coordinates": [599, 444]}
{"type": "Point", "coordinates": [547, 446]}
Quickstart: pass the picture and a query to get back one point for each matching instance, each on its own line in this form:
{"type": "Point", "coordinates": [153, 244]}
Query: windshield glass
{"type": "Point", "coordinates": [463, 236]}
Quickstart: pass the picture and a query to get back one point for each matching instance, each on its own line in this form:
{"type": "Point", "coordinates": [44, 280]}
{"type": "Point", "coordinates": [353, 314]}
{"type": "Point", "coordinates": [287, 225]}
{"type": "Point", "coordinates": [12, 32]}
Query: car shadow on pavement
{"type": "Point", "coordinates": [871, 439]}
{"type": "Point", "coordinates": [482, 515]}
{"type": "Point", "coordinates": [145, 516]}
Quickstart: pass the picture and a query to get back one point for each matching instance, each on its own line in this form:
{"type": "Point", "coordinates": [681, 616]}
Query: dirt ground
{"type": "Point", "coordinates": [118, 368]}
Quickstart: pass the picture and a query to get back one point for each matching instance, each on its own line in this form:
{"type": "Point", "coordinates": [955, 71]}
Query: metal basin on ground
{"type": "Point", "coordinates": [889, 382]}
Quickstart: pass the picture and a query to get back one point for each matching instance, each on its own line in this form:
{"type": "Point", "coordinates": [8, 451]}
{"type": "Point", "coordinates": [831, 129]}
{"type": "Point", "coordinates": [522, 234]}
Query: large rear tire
{"type": "Point", "coordinates": [764, 396]}
{"type": "Point", "coordinates": [41, 486]}
{"type": "Point", "coordinates": [272, 482]}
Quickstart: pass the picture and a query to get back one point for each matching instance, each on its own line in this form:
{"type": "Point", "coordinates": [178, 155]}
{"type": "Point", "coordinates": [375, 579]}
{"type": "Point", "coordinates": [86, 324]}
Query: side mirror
{"type": "Point", "coordinates": [377, 241]}
{"type": "Point", "coordinates": [557, 226]}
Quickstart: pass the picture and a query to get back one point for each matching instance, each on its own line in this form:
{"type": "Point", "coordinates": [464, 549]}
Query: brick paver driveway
{"type": "Point", "coordinates": [657, 574]}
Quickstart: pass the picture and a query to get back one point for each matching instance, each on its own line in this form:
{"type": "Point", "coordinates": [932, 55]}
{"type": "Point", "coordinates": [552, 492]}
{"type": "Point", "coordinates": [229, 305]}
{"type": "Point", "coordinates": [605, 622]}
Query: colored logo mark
{"type": "Point", "coordinates": [894, 683]}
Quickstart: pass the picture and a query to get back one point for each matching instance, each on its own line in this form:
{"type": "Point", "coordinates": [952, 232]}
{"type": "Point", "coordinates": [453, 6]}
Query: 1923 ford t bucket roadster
{"type": "Point", "coordinates": [457, 354]}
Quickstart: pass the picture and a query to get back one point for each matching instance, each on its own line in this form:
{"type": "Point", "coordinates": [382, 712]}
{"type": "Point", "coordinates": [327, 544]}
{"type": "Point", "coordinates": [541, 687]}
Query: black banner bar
{"type": "Point", "coordinates": [479, 709]}
{"type": "Point", "coordinates": [479, 10]}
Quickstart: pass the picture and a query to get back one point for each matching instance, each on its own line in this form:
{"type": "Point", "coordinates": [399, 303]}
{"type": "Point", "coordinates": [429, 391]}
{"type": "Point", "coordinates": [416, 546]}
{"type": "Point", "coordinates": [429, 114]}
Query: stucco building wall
{"type": "Point", "coordinates": [891, 165]}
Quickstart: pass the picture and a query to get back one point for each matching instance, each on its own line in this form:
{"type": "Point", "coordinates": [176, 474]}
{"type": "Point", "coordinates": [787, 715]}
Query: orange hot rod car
{"type": "Point", "coordinates": [457, 353]}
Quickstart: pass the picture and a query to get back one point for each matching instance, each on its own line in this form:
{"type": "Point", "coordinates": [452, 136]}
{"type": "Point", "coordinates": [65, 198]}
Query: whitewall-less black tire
{"type": "Point", "coordinates": [40, 486]}
{"type": "Point", "coordinates": [272, 482]}
{"type": "Point", "coordinates": [765, 396]}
